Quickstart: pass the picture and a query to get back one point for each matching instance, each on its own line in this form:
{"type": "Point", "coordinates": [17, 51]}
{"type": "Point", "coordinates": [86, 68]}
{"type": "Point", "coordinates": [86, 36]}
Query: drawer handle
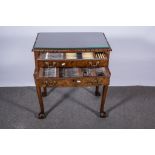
{"type": "Point", "coordinates": [54, 64]}
{"type": "Point", "coordinates": [94, 82]}
{"type": "Point", "coordinates": [63, 64]}
{"type": "Point", "coordinates": [77, 81]}
{"type": "Point", "coordinates": [52, 83]}
{"type": "Point", "coordinates": [50, 65]}
{"type": "Point", "coordinates": [91, 64]}
{"type": "Point", "coordinates": [47, 63]}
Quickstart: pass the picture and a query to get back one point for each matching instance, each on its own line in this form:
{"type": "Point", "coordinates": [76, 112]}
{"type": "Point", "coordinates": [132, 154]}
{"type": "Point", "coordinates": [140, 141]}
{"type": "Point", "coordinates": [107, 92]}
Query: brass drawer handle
{"type": "Point", "coordinates": [94, 82]}
{"type": "Point", "coordinates": [77, 81]}
{"type": "Point", "coordinates": [97, 63]}
{"type": "Point", "coordinates": [50, 65]}
{"type": "Point", "coordinates": [47, 63]}
{"type": "Point", "coordinates": [52, 83]}
{"type": "Point", "coordinates": [91, 63]}
{"type": "Point", "coordinates": [54, 64]}
{"type": "Point", "coordinates": [63, 64]}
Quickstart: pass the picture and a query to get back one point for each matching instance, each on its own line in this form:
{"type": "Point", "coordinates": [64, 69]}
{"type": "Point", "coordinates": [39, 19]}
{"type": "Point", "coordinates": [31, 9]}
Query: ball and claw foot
{"type": "Point", "coordinates": [97, 93]}
{"type": "Point", "coordinates": [103, 114]}
{"type": "Point", "coordinates": [41, 115]}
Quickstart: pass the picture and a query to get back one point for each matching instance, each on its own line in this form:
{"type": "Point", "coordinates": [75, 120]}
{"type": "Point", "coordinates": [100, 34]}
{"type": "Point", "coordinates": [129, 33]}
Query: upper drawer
{"type": "Point", "coordinates": [85, 59]}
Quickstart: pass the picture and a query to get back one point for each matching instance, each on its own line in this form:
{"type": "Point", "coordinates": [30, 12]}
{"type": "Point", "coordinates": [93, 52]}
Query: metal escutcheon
{"type": "Point", "coordinates": [52, 83]}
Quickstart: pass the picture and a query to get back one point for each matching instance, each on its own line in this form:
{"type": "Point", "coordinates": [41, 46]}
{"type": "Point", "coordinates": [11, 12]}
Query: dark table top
{"type": "Point", "coordinates": [71, 40]}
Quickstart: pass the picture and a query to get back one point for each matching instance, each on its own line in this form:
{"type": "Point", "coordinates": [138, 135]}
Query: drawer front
{"type": "Point", "coordinates": [73, 63]}
{"type": "Point", "coordinates": [73, 82]}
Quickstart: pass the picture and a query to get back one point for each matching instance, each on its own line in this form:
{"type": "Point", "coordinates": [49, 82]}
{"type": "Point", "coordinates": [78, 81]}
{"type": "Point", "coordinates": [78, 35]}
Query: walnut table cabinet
{"type": "Point", "coordinates": [71, 59]}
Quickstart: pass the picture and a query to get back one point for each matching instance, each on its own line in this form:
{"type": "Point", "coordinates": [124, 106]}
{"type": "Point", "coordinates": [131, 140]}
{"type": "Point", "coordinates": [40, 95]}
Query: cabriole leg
{"type": "Point", "coordinates": [44, 93]}
{"type": "Point", "coordinates": [103, 98]}
{"type": "Point", "coordinates": [97, 93]}
{"type": "Point", "coordinates": [41, 115]}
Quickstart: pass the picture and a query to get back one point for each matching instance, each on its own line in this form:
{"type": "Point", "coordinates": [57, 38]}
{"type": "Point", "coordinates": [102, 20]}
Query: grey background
{"type": "Point", "coordinates": [132, 60]}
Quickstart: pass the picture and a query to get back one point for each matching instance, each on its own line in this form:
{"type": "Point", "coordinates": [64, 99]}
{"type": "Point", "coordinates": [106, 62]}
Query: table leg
{"type": "Point", "coordinates": [44, 93]}
{"type": "Point", "coordinates": [97, 93]}
{"type": "Point", "coordinates": [41, 115]}
{"type": "Point", "coordinates": [103, 98]}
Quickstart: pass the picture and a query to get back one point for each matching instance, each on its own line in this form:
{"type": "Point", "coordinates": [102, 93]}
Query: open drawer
{"type": "Point", "coordinates": [85, 59]}
{"type": "Point", "coordinates": [73, 77]}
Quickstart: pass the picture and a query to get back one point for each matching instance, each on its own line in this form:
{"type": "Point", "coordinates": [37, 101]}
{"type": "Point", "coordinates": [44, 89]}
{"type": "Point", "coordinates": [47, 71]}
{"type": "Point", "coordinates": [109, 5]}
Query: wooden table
{"type": "Point", "coordinates": [71, 60]}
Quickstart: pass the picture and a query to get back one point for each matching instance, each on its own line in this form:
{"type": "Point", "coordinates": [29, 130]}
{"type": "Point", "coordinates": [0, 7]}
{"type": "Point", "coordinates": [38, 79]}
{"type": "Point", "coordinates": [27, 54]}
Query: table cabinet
{"type": "Point", "coordinates": [71, 60]}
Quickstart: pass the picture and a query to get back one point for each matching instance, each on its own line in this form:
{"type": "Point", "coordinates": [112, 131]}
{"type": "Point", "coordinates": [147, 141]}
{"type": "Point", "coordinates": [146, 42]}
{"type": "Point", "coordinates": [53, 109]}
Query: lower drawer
{"type": "Point", "coordinates": [73, 82]}
{"type": "Point", "coordinates": [72, 77]}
